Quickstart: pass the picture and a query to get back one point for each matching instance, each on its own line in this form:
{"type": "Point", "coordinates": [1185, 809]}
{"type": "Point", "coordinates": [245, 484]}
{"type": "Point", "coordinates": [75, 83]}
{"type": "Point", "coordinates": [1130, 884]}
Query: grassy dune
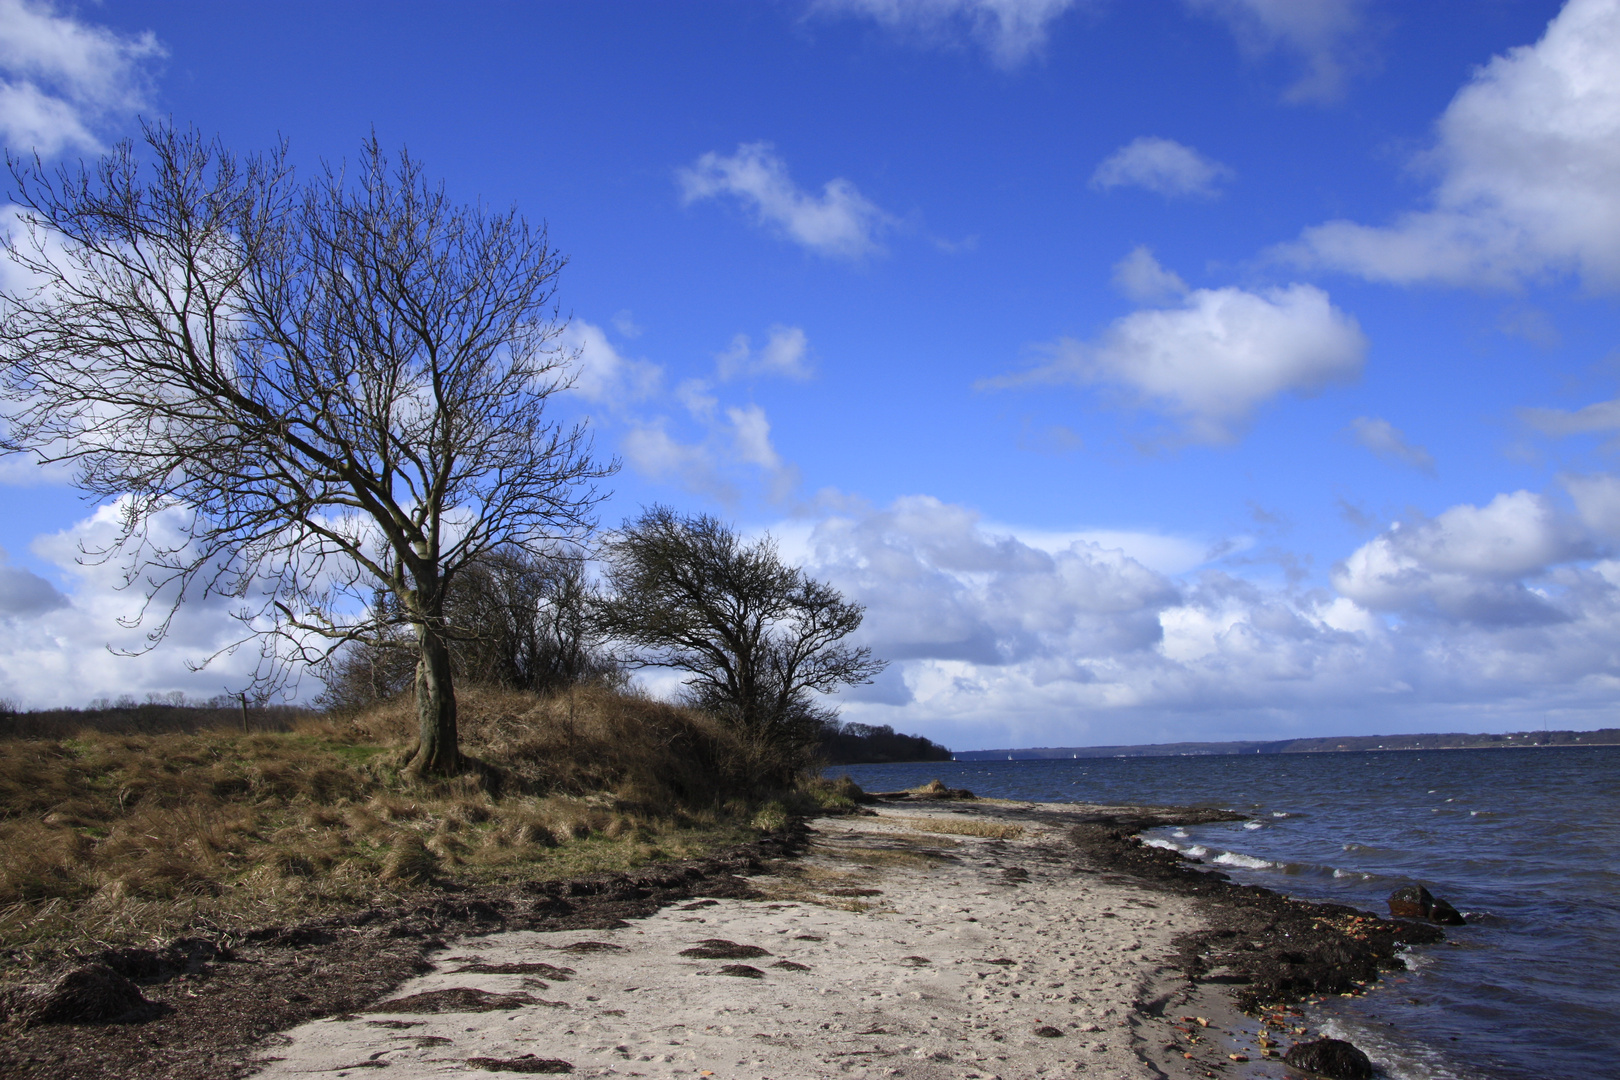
{"type": "Point", "coordinates": [123, 837]}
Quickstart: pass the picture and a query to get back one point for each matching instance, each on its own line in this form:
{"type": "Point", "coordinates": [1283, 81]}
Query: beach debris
{"type": "Point", "coordinates": [90, 994]}
{"type": "Point", "coordinates": [741, 971]}
{"type": "Point", "coordinates": [182, 956]}
{"type": "Point", "coordinates": [1000, 962]}
{"type": "Point", "coordinates": [528, 1063]}
{"type": "Point", "coordinates": [854, 892]}
{"type": "Point", "coordinates": [915, 961]}
{"type": "Point", "coordinates": [583, 947]}
{"type": "Point", "coordinates": [458, 999]}
{"type": "Point", "coordinates": [1047, 1031]}
{"type": "Point", "coordinates": [1332, 1058]}
{"type": "Point", "coordinates": [721, 949]}
{"type": "Point", "coordinates": [696, 904]}
{"type": "Point", "coordinates": [789, 965]}
{"type": "Point", "coordinates": [549, 971]}
{"type": "Point", "coordinates": [1416, 902]}
{"type": "Point", "coordinates": [1238, 1057]}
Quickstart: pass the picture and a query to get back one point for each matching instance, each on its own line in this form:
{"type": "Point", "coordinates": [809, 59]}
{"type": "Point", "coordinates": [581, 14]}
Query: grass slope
{"type": "Point", "coordinates": [115, 838]}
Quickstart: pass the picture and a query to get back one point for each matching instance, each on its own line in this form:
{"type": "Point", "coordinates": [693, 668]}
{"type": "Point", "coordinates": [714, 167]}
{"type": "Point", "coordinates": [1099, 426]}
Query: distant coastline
{"type": "Point", "coordinates": [1329, 745]}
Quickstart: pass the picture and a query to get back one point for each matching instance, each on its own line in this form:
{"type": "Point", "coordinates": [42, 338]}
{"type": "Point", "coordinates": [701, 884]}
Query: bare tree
{"type": "Point", "coordinates": [757, 637]}
{"type": "Point", "coordinates": [327, 387]}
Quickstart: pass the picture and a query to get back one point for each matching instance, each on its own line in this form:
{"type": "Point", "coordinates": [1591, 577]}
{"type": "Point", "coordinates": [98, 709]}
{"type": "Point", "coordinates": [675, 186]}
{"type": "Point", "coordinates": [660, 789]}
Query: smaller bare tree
{"type": "Point", "coordinates": [757, 638]}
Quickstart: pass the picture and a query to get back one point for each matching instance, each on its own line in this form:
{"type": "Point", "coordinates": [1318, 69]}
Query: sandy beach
{"type": "Point", "coordinates": [923, 938]}
{"type": "Point", "coordinates": [937, 940]}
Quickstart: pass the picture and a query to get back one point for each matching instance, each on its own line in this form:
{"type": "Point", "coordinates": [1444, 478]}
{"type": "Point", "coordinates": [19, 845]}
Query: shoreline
{"type": "Point", "coordinates": [1107, 945]}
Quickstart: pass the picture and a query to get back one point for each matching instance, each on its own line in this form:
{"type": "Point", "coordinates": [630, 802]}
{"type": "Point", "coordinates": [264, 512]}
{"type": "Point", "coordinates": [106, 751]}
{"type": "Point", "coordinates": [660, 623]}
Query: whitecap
{"type": "Point", "coordinates": [1254, 824]}
{"type": "Point", "coordinates": [1161, 842]}
{"type": "Point", "coordinates": [1180, 834]}
{"type": "Point", "coordinates": [1281, 813]}
{"type": "Point", "coordinates": [1248, 862]}
{"type": "Point", "coordinates": [1198, 851]}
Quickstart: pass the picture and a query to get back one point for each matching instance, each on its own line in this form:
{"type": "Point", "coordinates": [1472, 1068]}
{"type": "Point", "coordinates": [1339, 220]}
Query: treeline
{"type": "Point", "coordinates": [1323, 745]}
{"type": "Point", "coordinates": [158, 714]}
{"type": "Point", "coordinates": [864, 744]}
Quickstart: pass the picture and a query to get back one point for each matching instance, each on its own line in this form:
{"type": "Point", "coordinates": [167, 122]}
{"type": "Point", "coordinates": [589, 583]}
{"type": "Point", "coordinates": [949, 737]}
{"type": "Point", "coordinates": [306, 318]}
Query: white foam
{"type": "Point", "coordinates": [1161, 842]}
{"type": "Point", "coordinates": [1254, 824]}
{"type": "Point", "coordinates": [1352, 873]}
{"type": "Point", "coordinates": [1281, 813]}
{"type": "Point", "coordinates": [1180, 834]}
{"type": "Point", "coordinates": [1400, 1062]}
{"type": "Point", "coordinates": [1198, 851]}
{"type": "Point", "coordinates": [1248, 862]}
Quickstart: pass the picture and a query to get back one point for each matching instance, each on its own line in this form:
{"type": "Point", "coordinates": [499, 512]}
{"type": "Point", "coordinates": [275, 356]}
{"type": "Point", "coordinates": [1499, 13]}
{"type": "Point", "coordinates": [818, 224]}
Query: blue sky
{"type": "Point", "coordinates": [1177, 369]}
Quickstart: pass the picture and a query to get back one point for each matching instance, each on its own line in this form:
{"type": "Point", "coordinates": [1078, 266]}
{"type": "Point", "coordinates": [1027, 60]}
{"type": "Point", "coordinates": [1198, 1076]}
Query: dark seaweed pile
{"type": "Point", "coordinates": [1269, 948]}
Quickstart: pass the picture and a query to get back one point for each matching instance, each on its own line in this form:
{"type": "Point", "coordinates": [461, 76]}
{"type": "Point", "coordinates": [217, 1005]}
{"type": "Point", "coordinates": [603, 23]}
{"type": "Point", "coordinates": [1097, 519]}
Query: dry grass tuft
{"type": "Point", "coordinates": [998, 830]}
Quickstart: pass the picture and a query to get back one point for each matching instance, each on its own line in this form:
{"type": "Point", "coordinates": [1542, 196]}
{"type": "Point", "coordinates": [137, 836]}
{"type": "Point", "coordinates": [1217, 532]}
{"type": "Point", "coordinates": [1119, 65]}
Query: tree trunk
{"type": "Point", "coordinates": [438, 752]}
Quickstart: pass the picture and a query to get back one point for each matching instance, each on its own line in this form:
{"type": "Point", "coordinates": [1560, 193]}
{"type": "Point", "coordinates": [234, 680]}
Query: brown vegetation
{"type": "Point", "coordinates": [118, 837]}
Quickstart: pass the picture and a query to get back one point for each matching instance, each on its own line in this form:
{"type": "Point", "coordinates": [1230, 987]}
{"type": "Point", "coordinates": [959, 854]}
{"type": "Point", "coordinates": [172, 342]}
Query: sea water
{"type": "Point", "coordinates": [1525, 842]}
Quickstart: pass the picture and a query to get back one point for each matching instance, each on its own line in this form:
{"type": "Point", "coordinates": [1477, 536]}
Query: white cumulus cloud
{"type": "Point", "coordinates": [1321, 33]}
{"type": "Point", "coordinates": [1387, 441]}
{"type": "Point", "coordinates": [840, 222]}
{"type": "Point", "coordinates": [1468, 563]}
{"type": "Point", "coordinates": [1527, 153]}
{"type": "Point", "coordinates": [1011, 31]}
{"type": "Point", "coordinates": [61, 78]}
{"type": "Point", "coordinates": [786, 353]}
{"type": "Point", "coordinates": [603, 375]}
{"type": "Point", "coordinates": [1210, 362]}
{"type": "Point", "coordinates": [1598, 416]}
{"type": "Point", "coordinates": [1163, 166]}
{"type": "Point", "coordinates": [1140, 277]}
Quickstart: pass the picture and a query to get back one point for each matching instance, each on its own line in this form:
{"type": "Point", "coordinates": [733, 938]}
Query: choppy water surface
{"type": "Point", "coordinates": [1525, 842]}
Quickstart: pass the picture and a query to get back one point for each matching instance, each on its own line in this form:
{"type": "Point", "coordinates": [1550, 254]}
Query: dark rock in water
{"type": "Point", "coordinates": [1410, 902]}
{"type": "Point", "coordinates": [1333, 1058]}
{"type": "Point", "coordinates": [1446, 915]}
{"type": "Point", "coordinates": [92, 994]}
{"type": "Point", "coordinates": [1416, 902]}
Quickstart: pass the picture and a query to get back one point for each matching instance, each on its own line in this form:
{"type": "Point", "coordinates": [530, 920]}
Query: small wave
{"type": "Point", "coordinates": [1180, 834]}
{"type": "Point", "coordinates": [1483, 813]}
{"type": "Point", "coordinates": [1248, 862]}
{"type": "Point", "coordinates": [1398, 1060]}
{"type": "Point", "coordinates": [1254, 824]}
{"type": "Point", "coordinates": [1198, 851]}
{"type": "Point", "coordinates": [1161, 842]}
{"type": "Point", "coordinates": [1352, 873]}
{"type": "Point", "coordinates": [1281, 813]}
